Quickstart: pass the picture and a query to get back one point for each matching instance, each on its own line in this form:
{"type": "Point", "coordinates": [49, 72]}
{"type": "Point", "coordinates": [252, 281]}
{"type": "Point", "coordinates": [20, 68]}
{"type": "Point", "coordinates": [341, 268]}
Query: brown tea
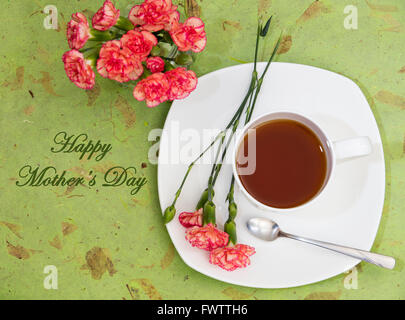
{"type": "Point", "coordinates": [291, 164]}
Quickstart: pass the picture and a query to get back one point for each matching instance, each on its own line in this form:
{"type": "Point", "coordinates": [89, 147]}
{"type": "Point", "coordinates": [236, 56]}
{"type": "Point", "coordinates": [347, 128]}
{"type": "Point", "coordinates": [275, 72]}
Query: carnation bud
{"type": "Point", "coordinates": [233, 210]}
{"type": "Point", "coordinates": [169, 214]}
{"type": "Point", "coordinates": [265, 29]}
{"type": "Point", "coordinates": [96, 35]}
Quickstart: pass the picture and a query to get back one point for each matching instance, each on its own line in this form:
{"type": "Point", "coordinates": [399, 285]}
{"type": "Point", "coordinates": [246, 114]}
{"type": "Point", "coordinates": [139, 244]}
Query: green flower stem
{"type": "Point", "coordinates": [192, 164]}
{"type": "Point", "coordinates": [260, 81]}
{"type": "Point", "coordinates": [272, 55]}
{"type": "Point", "coordinates": [216, 168]}
{"type": "Point", "coordinates": [168, 216]}
{"type": "Point", "coordinates": [86, 50]}
{"type": "Point", "coordinates": [208, 216]}
{"type": "Point", "coordinates": [97, 35]}
{"type": "Point", "coordinates": [203, 199]}
{"type": "Point", "coordinates": [91, 54]}
{"type": "Point", "coordinates": [259, 28]}
{"type": "Point", "coordinates": [230, 226]}
{"type": "Point", "coordinates": [93, 59]}
{"type": "Point", "coordinates": [178, 192]}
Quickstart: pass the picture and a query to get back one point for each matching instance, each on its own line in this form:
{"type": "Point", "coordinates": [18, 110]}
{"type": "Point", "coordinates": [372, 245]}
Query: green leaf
{"type": "Point", "coordinates": [184, 59]}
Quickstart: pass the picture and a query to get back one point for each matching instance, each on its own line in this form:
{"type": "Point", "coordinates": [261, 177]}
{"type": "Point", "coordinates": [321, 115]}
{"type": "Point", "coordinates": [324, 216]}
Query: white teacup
{"type": "Point", "coordinates": [334, 150]}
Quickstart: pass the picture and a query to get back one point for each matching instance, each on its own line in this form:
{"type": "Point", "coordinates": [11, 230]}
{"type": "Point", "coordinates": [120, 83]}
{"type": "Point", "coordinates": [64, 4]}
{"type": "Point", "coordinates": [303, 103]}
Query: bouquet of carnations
{"type": "Point", "coordinates": [151, 47]}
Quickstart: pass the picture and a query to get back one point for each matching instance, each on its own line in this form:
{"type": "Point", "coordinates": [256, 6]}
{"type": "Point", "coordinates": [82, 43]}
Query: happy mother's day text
{"type": "Point", "coordinates": [86, 149]}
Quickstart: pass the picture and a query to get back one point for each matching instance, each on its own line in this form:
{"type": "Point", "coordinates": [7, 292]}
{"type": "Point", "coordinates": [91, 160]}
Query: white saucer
{"type": "Point", "coordinates": [349, 211]}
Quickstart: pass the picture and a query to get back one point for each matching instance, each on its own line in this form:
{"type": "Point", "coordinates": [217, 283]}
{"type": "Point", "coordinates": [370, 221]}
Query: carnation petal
{"type": "Point", "coordinates": [106, 17]}
{"type": "Point", "coordinates": [194, 22]}
{"type": "Point", "coordinates": [140, 43]}
{"type": "Point", "coordinates": [155, 64]}
{"type": "Point", "coordinates": [133, 15]}
{"type": "Point", "coordinates": [78, 70]}
{"type": "Point", "coordinates": [199, 45]}
{"type": "Point", "coordinates": [190, 35]}
{"type": "Point", "coordinates": [77, 31]}
{"type": "Point", "coordinates": [153, 15]}
{"type": "Point", "coordinates": [191, 219]}
{"type": "Point", "coordinates": [182, 83]}
{"type": "Point", "coordinates": [149, 37]}
{"type": "Point", "coordinates": [207, 237]}
{"type": "Point", "coordinates": [139, 94]}
{"type": "Point", "coordinates": [233, 257]}
{"type": "Point", "coordinates": [118, 63]}
{"type": "Point", "coordinates": [152, 89]}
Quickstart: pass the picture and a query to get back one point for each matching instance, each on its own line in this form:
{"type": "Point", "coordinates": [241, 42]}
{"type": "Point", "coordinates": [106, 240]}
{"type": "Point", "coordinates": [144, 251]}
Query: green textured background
{"type": "Point", "coordinates": [129, 253]}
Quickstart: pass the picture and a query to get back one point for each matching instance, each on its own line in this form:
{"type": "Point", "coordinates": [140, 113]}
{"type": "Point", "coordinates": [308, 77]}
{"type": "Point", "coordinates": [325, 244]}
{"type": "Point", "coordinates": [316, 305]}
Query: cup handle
{"type": "Point", "coordinates": [352, 147]}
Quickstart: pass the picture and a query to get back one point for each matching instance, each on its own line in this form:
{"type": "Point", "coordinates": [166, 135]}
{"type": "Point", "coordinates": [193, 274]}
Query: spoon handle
{"type": "Point", "coordinates": [374, 258]}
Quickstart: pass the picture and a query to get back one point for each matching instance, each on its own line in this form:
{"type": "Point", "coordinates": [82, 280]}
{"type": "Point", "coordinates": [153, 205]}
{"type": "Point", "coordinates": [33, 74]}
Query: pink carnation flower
{"type": "Point", "coordinates": [155, 64]}
{"type": "Point", "coordinates": [182, 82]}
{"type": "Point", "coordinates": [154, 15]}
{"type": "Point", "coordinates": [231, 258]}
{"type": "Point", "coordinates": [78, 31]}
{"type": "Point", "coordinates": [79, 70]}
{"type": "Point", "coordinates": [139, 42]}
{"type": "Point", "coordinates": [190, 35]}
{"type": "Point", "coordinates": [153, 89]}
{"type": "Point", "coordinates": [118, 63]}
{"type": "Point", "coordinates": [191, 219]}
{"type": "Point", "coordinates": [106, 17]}
{"type": "Point", "coordinates": [207, 237]}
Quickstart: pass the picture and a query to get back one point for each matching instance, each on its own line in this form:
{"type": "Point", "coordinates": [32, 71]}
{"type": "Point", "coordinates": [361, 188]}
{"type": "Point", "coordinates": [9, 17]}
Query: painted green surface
{"type": "Point", "coordinates": [137, 260]}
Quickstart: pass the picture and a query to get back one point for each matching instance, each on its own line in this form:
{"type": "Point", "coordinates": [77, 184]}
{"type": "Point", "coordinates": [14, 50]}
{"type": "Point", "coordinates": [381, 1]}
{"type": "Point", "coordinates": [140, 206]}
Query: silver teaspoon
{"type": "Point", "coordinates": [269, 230]}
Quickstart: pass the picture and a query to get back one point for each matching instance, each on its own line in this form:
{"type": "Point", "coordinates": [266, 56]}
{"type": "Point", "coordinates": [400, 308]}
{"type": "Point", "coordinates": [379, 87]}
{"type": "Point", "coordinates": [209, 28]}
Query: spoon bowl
{"type": "Point", "coordinates": [264, 229]}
